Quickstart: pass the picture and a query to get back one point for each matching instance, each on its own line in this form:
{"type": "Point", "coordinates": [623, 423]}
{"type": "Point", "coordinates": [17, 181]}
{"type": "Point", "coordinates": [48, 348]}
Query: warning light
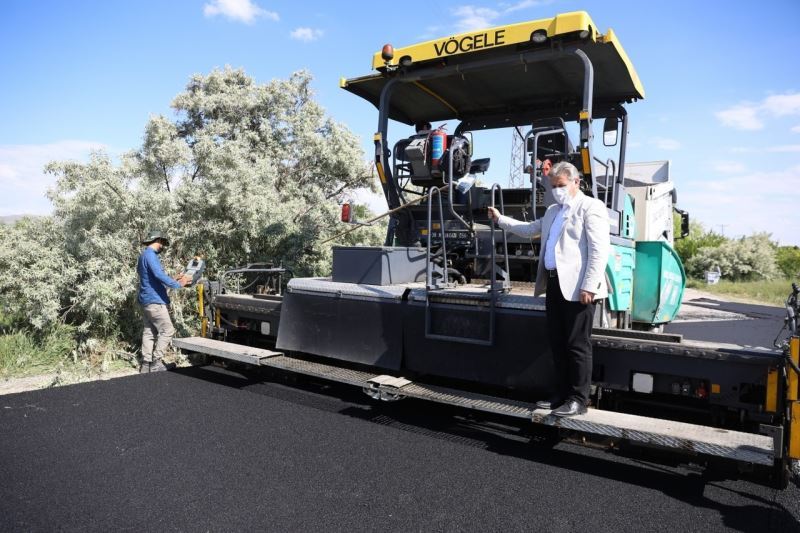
{"type": "Point", "coordinates": [387, 52]}
{"type": "Point", "coordinates": [539, 36]}
{"type": "Point", "coordinates": [347, 212]}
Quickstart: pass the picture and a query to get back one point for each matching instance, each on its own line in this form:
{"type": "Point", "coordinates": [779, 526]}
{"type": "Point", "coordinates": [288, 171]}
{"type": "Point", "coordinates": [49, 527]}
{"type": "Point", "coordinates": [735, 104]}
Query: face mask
{"type": "Point", "coordinates": [561, 195]}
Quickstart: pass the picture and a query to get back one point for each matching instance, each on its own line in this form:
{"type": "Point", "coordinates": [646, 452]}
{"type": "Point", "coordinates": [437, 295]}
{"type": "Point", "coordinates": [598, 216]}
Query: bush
{"type": "Point", "coordinates": [35, 350]}
{"type": "Point", "coordinates": [697, 239]}
{"type": "Point", "coordinates": [244, 173]}
{"type": "Point", "coordinates": [746, 259]}
{"type": "Point", "coordinates": [788, 258]}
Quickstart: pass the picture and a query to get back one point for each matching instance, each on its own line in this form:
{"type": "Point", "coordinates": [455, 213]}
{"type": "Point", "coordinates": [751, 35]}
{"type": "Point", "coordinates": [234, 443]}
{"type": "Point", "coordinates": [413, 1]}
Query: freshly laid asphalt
{"type": "Point", "coordinates": [759, 329]}
{"type": "Point", "coordinates": [209, 450]}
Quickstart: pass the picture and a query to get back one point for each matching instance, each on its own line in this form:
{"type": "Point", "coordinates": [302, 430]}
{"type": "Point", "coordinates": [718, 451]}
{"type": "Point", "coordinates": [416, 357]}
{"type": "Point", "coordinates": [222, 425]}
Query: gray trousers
{"type": "Point", "coordinates": [158, 332]}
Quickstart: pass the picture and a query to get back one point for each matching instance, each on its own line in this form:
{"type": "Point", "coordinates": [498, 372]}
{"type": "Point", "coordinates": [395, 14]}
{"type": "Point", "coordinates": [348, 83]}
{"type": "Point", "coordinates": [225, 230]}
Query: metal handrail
{"type": "Point", "coordinates": [534, 158]}
{"type": "Point", "coordinates": [429, 284]}
{"type": "Point", "coordinates": [506, 283]}
{"type": "Point", "coordinates": [611, 166]}
{"type": "Point", "coordinates": [271, 271]}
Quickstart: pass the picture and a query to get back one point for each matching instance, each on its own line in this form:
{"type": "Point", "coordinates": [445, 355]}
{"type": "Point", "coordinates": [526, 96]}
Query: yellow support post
{"type": "Point", "coordinates": [200, 302]}
{"type": "Point", "coordinates": [794, 434]}
{"type": "Point", "coordinates": [201, 310]}
{"type": "Point", "coordinates": [587, 164]}
{"type": "Point", "coordinates": [791, 396]}
{"type": "Point", "coordinates": [771, 404]}
{"type": "Point", "coordinates": [794, 353]}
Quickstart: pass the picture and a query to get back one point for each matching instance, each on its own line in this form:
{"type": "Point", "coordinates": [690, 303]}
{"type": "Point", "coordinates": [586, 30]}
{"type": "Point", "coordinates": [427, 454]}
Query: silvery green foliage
{"type": "Point", "coordinates": [36, 275]}
{"type": "Point", "coordinates": [245, 173]}
{"type": "Point", "coordinates": [747, 258]}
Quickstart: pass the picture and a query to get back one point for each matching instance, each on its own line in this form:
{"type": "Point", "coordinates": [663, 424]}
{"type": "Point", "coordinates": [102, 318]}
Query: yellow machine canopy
{"type": "Point", "coordinates": [516, 70]}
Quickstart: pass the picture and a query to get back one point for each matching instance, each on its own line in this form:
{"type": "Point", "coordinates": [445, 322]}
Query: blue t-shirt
{"type": "Point", "coordinates": [153, 281]}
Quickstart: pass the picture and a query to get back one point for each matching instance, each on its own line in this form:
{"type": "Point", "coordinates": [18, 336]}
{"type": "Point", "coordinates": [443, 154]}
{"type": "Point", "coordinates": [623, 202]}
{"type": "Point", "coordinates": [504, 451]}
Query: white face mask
{"type": "Point", "coordinates": [561, 194]}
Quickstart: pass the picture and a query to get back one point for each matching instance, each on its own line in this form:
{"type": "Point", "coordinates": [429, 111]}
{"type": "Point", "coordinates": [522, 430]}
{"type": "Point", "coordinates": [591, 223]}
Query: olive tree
{"type": "Point", "coordinates": [744, 259]}
{"type": "Point", "coordinates": [244, 172]}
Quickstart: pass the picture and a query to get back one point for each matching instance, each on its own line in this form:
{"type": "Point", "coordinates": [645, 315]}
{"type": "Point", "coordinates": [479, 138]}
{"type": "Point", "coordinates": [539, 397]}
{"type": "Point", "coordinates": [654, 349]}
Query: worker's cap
{"type": "Point", "coordinates": [154, 235]}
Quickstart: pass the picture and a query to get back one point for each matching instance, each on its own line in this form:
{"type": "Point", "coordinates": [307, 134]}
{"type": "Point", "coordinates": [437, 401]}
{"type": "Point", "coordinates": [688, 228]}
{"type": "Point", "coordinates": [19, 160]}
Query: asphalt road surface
{"type": "Point", "coordinates": [759, 327]}
{"type": "Point", "coordinates": [205, 449]}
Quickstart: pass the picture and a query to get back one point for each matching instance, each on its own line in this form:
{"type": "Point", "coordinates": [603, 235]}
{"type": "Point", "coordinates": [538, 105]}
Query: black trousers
{"type": "Point", "coordinates": [569, 326]}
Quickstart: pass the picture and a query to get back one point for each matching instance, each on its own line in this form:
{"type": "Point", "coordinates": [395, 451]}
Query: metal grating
{"type": "Point", "coordinates": [319, 370]}
{"type": "Point", "coordinates": [225, 350]}
{"type": "Point", "coordinates": [689, 438]}
{"type": "Point", "coordinates": [326, 287]}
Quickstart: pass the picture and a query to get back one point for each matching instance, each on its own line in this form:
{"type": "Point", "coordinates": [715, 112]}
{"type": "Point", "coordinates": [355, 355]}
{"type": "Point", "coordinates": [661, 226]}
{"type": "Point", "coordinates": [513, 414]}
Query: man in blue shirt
{"type": "Point", "coordinates": [153, 284]}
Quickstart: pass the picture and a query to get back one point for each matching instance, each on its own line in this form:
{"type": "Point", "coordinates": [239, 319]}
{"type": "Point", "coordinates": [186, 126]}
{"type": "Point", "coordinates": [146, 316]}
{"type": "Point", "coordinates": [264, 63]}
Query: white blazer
{"type": "Point", "coordinates": [581, 250]}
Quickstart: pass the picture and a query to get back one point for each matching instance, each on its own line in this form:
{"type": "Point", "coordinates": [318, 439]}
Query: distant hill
{"type": "Point", "coordinates": [10, 219]}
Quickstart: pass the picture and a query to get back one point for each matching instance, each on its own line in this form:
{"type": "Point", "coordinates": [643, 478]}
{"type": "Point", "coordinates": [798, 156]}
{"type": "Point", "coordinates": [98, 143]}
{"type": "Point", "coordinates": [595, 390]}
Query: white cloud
{"type": "Point", "coordinates": [306, 34]}
{"type": "Point", "coordinates": [663, 143]}
{"type": "Point", "coordinates": [721, 202]}
{"type": "Point", "coordinates": [22, 176]}
{"type": "Point", "coordinates": [782, 104]}
{"type": "Point", "coordinates": [781, 148]}
{"type": "Point", "coordinates": [474, 18]}
{"type": "Point", "coordinates": [790, 148]}
{"type": "Point", "coordinates": [240, 10]}
{"type": "Point", "coordinates": [741, 117]}
{"type": "Point", "coordinates": [471, 17]}
{"type": "Point", "coordinates": [525, 4]}
{"type": "Point", "coordinates": [430, 32]}
{"type": "Point", "coordinates": [796, 129]}
{"type": "Point", "coordinates": [729, 167]}
{"type": "Point", "coordinates": [750, 115]}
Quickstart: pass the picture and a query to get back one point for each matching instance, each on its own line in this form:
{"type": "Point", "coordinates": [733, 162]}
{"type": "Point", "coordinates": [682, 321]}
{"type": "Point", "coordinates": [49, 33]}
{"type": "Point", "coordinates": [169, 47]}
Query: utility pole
{"type": "Point", "coordinates": [722, 228]}
{"type": "Point", "coordinates": [516, 173]}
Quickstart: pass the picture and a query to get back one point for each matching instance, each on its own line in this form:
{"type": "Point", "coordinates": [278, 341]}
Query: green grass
{"type": "Point", "coordinates": [772, 292]}
{"type": "Point", "coordinates": [24, 352]}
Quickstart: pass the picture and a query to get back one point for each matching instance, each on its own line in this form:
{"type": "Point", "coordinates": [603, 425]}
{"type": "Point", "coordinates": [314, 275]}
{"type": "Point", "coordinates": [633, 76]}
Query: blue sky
{"type": "Point", "coordinates": [721, 79]}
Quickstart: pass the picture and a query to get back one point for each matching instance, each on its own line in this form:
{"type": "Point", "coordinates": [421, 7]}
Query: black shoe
{"type": "Point", "coordinates": [157, 366]}
{"type": "Point", "coordinates": [549, 404]}
{"type": "Point", "coordinates": [570, 408]}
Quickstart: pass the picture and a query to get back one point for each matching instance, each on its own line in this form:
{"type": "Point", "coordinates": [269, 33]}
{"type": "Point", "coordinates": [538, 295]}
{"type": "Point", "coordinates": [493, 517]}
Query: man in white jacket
{"type": "Point", "coordinates": [575, 245]}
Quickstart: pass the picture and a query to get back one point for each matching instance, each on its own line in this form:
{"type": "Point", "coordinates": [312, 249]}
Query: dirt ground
{"type": "Point", "coordinates": [56, 379]}
{"type": "Point", "coordinates": [688, 312]}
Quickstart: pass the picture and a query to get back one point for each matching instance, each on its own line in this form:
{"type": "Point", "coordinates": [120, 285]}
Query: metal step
{"type": "Point", "coordinates": [687, 438]}
{"type": "Point", "coordinates": [225, 350]}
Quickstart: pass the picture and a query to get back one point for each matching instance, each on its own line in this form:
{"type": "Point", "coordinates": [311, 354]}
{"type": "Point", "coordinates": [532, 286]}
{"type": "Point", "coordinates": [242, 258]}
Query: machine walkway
{"type": "Point", "coordinates": [687, 438]}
